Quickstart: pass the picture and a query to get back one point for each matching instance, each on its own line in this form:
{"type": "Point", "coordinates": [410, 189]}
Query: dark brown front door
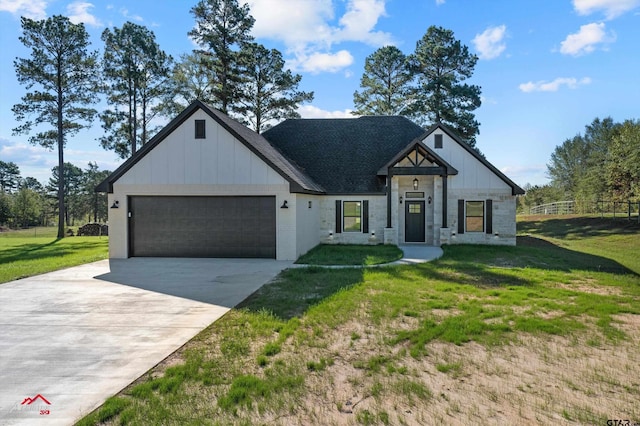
{"type": "Point", "coordinates": [202, 226]}
{"type": "Point", "coordinates": [414, 219]}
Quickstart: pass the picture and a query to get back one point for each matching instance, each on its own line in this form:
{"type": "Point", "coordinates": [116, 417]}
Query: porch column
{"type": "Point", "coordinates": [389, 199]}
{"type": "Point", "coordinates": [445, 178]}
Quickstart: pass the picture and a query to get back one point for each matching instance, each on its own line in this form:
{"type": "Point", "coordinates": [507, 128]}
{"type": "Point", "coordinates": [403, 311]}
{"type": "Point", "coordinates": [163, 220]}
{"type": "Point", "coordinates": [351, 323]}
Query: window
{"type": "Point", "coordinates": [200, 129]}
{"type": "Point", "coordinates": [437, 141]}
{"type": "Point", "coordinates": [414, 195]}
{"type": "Point", "coordinates": [352, 216]}
{"type": "Point", "coordinates": [474, 216]}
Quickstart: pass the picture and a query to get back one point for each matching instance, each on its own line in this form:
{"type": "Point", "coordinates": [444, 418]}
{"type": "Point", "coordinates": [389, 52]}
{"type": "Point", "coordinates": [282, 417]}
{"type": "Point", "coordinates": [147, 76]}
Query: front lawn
{"type": "Point", "coordinates": [537, 334]}
{"type": "Point", "coordinates": [27, 253]}
{"type": "Point", "coordinates": [349, 254]}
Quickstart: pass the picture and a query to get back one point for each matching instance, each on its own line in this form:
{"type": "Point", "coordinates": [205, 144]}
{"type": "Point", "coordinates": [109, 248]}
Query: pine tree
{"type": "Point", "coordinates": [268, 91]}
{"type": "Point", "coordinates": [136, 71]}
{"type": "Point", "coordinates": [66, 76]}
{"type": "Point", "coordinates": [441, 64]}
{"type": "Point", "coordinates": [222, 27]}
{"type": "Point", "coordinates": [386, 84]}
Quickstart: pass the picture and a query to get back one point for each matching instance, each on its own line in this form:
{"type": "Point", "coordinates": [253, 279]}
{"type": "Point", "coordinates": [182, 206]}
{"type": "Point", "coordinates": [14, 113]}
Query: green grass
{"type": "Point", "coordinates": [22, 254]}
{"type": "Point", "coordinates": [348, 254]}
{"type": "Point", "coordinates": [264, 360]}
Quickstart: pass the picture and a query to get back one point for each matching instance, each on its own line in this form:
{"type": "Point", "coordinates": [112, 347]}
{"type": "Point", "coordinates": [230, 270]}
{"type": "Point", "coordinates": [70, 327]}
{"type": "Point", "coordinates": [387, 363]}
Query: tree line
{"type": "Point", "coordinates": [601, 164]}
{"type": "Point", "coordinates": [228, 70]}
{"type": "Point", "coordinates": [26, 202]}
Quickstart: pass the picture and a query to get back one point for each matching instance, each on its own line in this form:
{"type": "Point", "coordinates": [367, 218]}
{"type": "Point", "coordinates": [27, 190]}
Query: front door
{"type": "Point", "coordinates": [414, 222]}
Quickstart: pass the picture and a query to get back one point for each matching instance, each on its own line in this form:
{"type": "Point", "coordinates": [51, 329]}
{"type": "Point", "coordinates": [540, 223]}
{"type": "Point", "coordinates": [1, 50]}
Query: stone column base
{"type": "Point", "coordinates": [390, 236]}
{"type": "Point", "coordinates": [445, 236]}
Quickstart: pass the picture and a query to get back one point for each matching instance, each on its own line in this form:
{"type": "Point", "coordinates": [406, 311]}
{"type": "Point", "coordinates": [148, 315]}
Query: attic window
{"type": "Point", "coordinates": [200, 129]}
{"type": "Point", "coordinates": [438, 141]}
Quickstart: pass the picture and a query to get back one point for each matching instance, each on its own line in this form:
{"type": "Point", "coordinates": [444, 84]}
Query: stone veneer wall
{"type": "Point", "coordinates": [504, 217]}
{"type": "Point", "coordinates": [377, 220]}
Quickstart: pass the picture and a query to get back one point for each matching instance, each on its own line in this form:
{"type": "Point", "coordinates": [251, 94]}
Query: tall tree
{"type": "Point", "coordinates": [32, 183]}
{"type": "Point", "coordinates": [623, 166]}
{"type": "Point", "coordinates": [441, 64]}
{"type": "Point", "coordinates": [189, 81]}
{"type": "Point", "coordinates": [27, 207]}
{"type": "Point", "coordinates": [569, 164]}
{"type": "Point", "coordinates": [96, 203]}
{"type": "Point", "coordinates": [73, 179]}
{"type": "Point", "coordinates": [268, 91]}
{"type": "Point", "coordinates": [136, 71]}
{"type": "Point", "coordinates": [385, 84]}
{"type": "Point", "coordinates": [9, 176]}
{"type": "Point", "coordinates": [6, 208]}
{"type": "Point", "coordinates": [67, 75]}
{"type": "Point", "coordinates": [222, 27]}
{"type": "Point", "coordinates": [599, 136]}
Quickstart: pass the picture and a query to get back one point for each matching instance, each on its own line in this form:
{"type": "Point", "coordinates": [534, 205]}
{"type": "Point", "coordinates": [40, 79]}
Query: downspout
{"type": "Point", "coordinates": [445, 178]}
{"type": "Point", "coordinates": [389, 198]}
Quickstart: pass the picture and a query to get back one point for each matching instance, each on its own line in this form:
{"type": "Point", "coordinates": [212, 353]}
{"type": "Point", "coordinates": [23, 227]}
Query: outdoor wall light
{"type": "Point", "coordinates": [429, 199]}
{"type": "Point", "coordinates": [373, 234]}
{"type": "Point", "coordinates": [496, 235]}
{"type": "Point", "coordinates": [115, 205]}
{"type": "Point", "coordinates": [415, 184]}
{"type": "Point", "coordinates": [284, 205]}
{"type": "Point", "coordinates": [401, 199]}
{"type": "Point", "coordinates": [309, 204]}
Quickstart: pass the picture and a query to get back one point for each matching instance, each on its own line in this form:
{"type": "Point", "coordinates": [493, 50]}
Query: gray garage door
{"type": "Point", "coordinates": [202, 226]}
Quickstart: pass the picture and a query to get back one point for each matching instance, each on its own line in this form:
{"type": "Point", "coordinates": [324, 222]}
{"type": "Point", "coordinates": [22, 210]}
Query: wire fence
{"type": "Point", "coordinates": [615, 209]}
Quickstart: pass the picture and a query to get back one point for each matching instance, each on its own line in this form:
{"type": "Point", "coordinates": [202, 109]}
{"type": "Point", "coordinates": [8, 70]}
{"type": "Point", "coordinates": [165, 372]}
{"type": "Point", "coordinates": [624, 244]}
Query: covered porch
{"type": "Point", "coordinates": [416, 191]}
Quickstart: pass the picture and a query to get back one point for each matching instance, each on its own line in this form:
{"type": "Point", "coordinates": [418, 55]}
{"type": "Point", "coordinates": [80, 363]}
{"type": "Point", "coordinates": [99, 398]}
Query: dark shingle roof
{"type": "Point", "coordinates": [344, 155]}
{"type": "Point", "coordinates": [298, 181]}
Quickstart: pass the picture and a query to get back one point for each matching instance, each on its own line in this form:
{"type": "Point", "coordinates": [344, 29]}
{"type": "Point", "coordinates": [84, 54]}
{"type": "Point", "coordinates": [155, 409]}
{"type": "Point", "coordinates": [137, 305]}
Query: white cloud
{"type": "Point", "coordinates": [322, 62]}
{"type": "Point", "coordinates": [439, 2]}
{"type": "Point", "coordinates": [32, 9]}
{"type": "Point", "coordinates": [126, 14]}
{"type": "Point", "coordinates": [358, 22]}
{"type": "Point", "coordinates": [310, 111]}
{"type": "Point", "coordinates": [553, 86]}
{"type": "Point", "coordinates": [78, 12]}
{"type": "Point", "coordinates": [490, 43]}
{"type": "Point", "coordinates": [585, 40]}
{"type": "Point", "coordinates": [610, 8]}
{"type": "Point", "coordinates": [309, 30]}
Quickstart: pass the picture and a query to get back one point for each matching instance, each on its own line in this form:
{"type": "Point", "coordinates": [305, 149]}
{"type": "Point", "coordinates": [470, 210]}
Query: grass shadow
{"type": "Point", "coordinates": [296, 290]}
{"type": "Point", "coordinates": [545, 254]}
{"type": "Point", "coordinates": [577, 227]}
{"type": "Point", "coordinates": [43, 251]}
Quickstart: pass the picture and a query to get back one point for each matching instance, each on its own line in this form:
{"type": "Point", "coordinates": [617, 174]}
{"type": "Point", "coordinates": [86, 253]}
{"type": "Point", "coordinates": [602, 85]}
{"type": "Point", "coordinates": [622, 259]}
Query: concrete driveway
{"type": "Point", "coordinates": [72, 338]}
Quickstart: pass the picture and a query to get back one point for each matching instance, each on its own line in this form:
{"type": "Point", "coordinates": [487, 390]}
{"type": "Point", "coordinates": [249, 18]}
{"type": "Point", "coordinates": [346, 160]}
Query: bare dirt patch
{"type": "Point", "coordinates": [534, 380]}
{"type": "Point", "coordinates": [590, 286]}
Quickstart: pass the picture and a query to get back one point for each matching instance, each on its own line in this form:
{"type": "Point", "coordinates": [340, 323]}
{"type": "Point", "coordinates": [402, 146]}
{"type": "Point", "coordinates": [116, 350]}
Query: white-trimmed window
{"type": "Point", "coordinates": [352, 216]}
{"type": "Point", "coordinates": [474, 216]}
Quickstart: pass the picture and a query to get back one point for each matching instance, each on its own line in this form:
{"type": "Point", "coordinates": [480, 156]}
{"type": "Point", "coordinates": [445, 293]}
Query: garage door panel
{"type": "Point", "coordinates": [203, 226]}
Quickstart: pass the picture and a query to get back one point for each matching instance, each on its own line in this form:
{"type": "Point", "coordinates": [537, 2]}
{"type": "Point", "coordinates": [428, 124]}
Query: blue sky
{"type": "Point", "coordinates": [547, 67]}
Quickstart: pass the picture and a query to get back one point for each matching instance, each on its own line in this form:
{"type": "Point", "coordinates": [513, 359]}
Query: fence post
{"type": "Point", "coordinates": [614, 210]}
{"type": "Point", "coordinates": [629, 216]}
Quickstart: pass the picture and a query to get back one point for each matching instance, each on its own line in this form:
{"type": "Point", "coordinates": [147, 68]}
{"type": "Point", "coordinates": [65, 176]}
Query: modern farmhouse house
{"type": "Point", "coordinates": [207, 186]}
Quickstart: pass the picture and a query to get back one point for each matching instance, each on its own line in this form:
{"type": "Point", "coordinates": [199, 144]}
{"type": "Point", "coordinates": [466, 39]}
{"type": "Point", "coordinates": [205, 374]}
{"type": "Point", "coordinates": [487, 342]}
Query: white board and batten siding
{"type": "Point", "coordinates": [218, 165]}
